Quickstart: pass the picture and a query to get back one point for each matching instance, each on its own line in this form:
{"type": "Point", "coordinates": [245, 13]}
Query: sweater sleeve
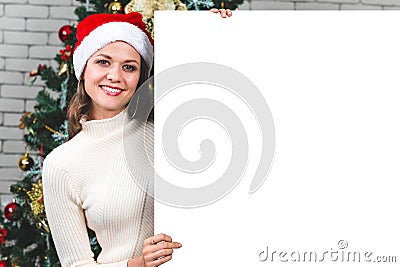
{"type": "Point", "coordinates": [67, 219]}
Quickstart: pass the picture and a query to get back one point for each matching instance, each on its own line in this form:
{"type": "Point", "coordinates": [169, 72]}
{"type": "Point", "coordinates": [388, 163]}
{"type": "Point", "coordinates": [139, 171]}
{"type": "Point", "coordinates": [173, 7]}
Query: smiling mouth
{"type": "Point", "coordinates": [112, 91]}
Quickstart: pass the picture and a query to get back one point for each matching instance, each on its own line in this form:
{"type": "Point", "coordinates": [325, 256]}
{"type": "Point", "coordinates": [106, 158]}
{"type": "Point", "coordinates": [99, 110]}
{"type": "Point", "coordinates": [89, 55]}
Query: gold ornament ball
{"type": "Point", "coordinates": [25, 162]}
{"type": "Point", "coordinates": [114, 7]}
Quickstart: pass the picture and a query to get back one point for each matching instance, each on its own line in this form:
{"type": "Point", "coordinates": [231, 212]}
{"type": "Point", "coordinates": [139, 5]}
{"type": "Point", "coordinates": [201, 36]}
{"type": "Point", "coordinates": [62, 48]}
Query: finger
{"type": "Point", "coordinates": [162, 253]}
{"type": "Point", "coordinates": [160, 246]}
{"type": "Point", "coordinates": [149, 241]}
{"type": "Point", "coordinates": [228, 12]}
{"type": "Point", "coordinates": [166, 245]}
{"type": "Point", "coordinates": [150, 250]}
{"type": "Point", "coordinates": [162, 260]}
{"type": "Point", "coordinates": [160, 237]}
{"type": "Point", "coordinates": [158, 254]}
{"type": "Point", "coordinates": [149, 261]}
{"type": "Point", "coordinates": [215, 10]}
{"type": "Point", "coordinates": [223, 13]}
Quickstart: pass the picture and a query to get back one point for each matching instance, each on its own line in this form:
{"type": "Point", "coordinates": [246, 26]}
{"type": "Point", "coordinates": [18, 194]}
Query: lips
{"type": "Point", "coordinates": [111, 91]}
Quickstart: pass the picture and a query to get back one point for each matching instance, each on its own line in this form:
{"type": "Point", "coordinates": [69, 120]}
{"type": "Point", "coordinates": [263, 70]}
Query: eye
{"type": "Point", "coordinates": [129, 68]}
{"type": "Point", "coordinates": [102, 62]}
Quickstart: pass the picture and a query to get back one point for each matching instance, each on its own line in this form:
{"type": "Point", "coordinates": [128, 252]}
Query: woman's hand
{"type": "Point", "coordinates": [224, 12]}
{"type": "Point", "coordinates": [156, 251]}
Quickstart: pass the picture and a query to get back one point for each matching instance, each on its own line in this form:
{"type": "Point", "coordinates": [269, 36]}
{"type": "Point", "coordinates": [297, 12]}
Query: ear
{"type": "Point", "coordinates": [82, 78]}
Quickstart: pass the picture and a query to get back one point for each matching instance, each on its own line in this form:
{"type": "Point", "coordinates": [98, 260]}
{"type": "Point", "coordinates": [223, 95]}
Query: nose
{"type": "Point", "coordinates": [114, 74]}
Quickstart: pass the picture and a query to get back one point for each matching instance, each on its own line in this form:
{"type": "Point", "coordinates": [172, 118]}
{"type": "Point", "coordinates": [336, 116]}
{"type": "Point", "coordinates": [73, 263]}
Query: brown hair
{"type": "Point", "coordinates": [79, 106]}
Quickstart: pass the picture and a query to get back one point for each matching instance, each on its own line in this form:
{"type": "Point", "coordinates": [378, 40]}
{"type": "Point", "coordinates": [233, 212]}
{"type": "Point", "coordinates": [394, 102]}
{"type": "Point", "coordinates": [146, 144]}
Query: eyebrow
{"type": "Point", "coordinates": [109, 57]}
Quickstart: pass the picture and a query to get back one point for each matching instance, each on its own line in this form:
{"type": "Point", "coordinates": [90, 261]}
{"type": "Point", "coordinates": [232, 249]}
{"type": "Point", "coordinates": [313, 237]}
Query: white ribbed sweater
{"type": "Point", "coordinates": [86, 182]}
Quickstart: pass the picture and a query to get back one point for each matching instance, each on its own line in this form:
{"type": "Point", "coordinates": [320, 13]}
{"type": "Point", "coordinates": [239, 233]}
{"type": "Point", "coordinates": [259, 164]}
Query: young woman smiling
{"type": "Point", "coordinates": [86, 181]}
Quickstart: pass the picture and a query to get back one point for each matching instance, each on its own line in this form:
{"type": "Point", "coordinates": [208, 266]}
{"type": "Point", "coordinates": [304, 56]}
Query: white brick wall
{"type": "Point", "coordinates": [12, 24]}
{"type": "Point", "coordinates": [10, 133]}
{"type": "Point", "coordinates": [53, 2]}
{"type": "Point", "coordinates": [316, 6]}
{"type": "Point", "coordinates": [13, 50]}
{"type": "Point", "coordinates": [43, 52]}
{"type": "Point", "coordinates": [271, 5]}
{"type": "Point", "coordinates": [11, 119]}
{"type": "Point", "coordinates": [48, 25]}
{"type": "Point", "coordinates": [23, 65]}
{"type": "Point", "coordinates": [19, 91]}
{"type": "Point", "coordinates": [381, 2]}
{"type": "Point", "coordinates": [14, 1]}
{"type": "Point", "coordinates": [7, 77]}
{"type": "Point", "coordinates": [363, 7]}
{"type": "Point", "coordinates": [62, 12]}
{"type": "Point", "coordinates": [26, 11]}
{"type": "Point", "coordinates": [29, 105]}
{"type": "Point", "coordinates": [29, 36]}
{"type": "Point", "coordinates": [13, 146]}
{"type": "Point", "coordinates": [7, 173]}
{"type": "Point", "coordinates": [11, 105]}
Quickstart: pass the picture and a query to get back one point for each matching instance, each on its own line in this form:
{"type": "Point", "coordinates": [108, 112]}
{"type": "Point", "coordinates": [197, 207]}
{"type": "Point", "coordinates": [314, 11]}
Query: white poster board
{"type": "Point", "coordinates": [331, 82]}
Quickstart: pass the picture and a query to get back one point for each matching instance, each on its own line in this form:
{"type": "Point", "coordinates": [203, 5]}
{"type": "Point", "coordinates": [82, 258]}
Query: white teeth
{"type": "Point", "coordinates": [111, 90]}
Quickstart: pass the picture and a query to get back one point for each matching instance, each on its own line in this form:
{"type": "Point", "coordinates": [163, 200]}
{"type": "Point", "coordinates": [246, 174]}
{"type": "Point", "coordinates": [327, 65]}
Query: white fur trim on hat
{"type": "Point", "coordinates": [108, 33]}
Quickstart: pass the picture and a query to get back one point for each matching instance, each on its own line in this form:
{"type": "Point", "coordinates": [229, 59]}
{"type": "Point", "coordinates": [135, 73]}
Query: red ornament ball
{"type": "Point", "coordinates": [64, 34]}
{"type": "Point", "coordinates": [4, 263]}
{"type": "Point", "coordinates": [13, 212]}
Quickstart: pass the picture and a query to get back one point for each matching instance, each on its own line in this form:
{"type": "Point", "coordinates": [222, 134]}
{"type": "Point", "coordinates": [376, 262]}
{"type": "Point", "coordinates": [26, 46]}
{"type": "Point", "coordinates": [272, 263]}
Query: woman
{"type": "Point", "coordinates": [86, 181]}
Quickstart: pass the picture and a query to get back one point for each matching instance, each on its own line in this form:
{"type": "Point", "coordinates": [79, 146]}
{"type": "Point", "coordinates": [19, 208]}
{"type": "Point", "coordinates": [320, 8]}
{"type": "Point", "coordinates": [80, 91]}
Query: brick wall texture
{"type": "Point", "coordinates": [28, 37]}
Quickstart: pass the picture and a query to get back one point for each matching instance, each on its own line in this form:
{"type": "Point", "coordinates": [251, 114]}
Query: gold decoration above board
{"type": "Point", "coordinates": [114, 7]}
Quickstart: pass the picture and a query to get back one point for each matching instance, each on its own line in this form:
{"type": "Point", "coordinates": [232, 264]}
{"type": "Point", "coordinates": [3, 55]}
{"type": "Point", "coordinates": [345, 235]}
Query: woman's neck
{"type": "Point", "coordinates": [95, 114]}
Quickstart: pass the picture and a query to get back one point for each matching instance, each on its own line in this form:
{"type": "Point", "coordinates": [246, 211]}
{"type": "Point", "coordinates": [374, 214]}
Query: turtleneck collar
{"type": "Point", "coordinates": [104, 127]}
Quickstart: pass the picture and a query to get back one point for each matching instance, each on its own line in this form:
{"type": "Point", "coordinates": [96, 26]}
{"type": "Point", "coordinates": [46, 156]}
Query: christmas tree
{"type": "Point", "coordinates": [24, 234]}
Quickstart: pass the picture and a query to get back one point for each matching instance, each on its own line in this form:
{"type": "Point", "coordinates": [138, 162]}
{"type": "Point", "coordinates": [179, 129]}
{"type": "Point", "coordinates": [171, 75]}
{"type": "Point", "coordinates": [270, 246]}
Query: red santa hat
{"type": "Point", "coordinates": [98, 30]}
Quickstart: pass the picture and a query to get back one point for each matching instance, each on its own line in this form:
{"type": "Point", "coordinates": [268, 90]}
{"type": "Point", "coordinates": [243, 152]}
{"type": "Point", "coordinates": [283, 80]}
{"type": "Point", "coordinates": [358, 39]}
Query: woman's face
{"type": "Point", "coordinates": [111, 76]}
